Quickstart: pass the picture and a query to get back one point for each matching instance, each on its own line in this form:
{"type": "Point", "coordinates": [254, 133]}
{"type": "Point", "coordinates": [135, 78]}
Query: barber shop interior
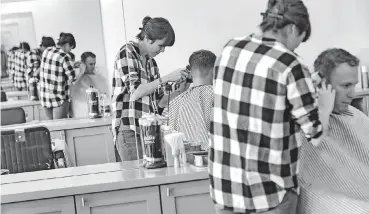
{"type": "Point", "coordinates": [184, 107]}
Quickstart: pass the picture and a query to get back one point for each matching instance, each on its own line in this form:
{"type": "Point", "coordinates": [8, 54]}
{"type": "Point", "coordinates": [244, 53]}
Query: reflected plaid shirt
{"type": "Point", "coordinates": [33, 62]}
{"type": "Point", "coordinates": [263, 95]}
{"type": "Point", "coordinates": [10, 66]}
{"type": "Point", "coordinates": [20, 67]}
{"type": "Point", "coordinates": [56, 75]}
{"type": "Point", "coordinates": [129, 73]}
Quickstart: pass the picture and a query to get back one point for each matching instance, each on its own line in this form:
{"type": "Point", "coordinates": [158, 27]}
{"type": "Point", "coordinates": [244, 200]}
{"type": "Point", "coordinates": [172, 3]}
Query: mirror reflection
{"type": "Point", "coordinates": [89, 71]}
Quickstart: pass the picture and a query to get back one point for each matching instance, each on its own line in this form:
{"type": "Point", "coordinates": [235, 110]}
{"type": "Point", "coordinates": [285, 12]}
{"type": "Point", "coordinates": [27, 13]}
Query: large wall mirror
{"type": "Point", "coordinates": [30, 20]}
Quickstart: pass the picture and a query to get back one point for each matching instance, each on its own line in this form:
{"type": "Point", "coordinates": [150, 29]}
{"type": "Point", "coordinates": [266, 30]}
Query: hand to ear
{"type": "Point", "coordinates": [326, 97]}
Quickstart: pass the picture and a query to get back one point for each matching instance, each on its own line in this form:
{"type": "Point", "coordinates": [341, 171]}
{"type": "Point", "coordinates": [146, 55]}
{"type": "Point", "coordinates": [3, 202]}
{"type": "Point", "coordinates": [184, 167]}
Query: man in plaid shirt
{"type": "Point", "coordinates": [20, 66]}
{"type": "Point", "coordinates": [56, 76]}
{"type": "Point", "coordinates": [136, 82]}
{"type": "Point", "coordinates": [263, 97]}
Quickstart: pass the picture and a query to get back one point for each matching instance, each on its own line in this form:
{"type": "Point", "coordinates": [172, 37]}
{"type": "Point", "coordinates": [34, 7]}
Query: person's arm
{"type": "Point", "coordinates": [82, 69]}
{"type": "Point", "coordinates": [301, 96]}
{"type": "Point", "coordinates": [69, 70]}
{"type": "Point", "coordinates": [164, 100]}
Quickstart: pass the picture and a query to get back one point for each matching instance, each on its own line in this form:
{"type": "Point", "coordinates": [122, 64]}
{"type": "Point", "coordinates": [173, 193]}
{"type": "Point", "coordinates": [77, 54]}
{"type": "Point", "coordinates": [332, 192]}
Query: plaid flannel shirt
{"type": "Point", "coordinates": [129, 73]}
{"type": "Point", "coordinates": [56, 76]}
{"type": "Point", "coordinates": [20, 67]}
{"type": "Point", "coordinates": [263, 96]}
{"type": "Point", "coordinates": [33, 62]}
{"type": "Point", "coordinates": [11, 64]}
{"type": "Point", "coordinates": [191, 113]}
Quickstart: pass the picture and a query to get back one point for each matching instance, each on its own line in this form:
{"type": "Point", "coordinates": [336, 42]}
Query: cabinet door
{"type": "Point", "coordinates": [39, 112]}
{"type": "Point", "coordinates": [189, 197]}
{"type": "Point", "coordinates": [90, 146]}
{"type": "Point", "coordinates": [134, 201]}
{"type": "Point", "coordinates": [28, 110]}
{"type": "Point", "coordinates": [64, 205]}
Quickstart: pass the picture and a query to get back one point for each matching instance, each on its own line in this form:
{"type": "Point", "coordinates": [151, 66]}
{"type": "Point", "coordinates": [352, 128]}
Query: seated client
{"type": "Point", "coordinates": [190, 112]}
{"type": "Point", "coordinates": [334, 176]}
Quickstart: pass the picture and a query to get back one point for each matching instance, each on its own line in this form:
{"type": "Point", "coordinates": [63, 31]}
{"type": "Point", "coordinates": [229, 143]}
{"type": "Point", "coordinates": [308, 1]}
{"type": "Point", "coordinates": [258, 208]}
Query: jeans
{"type": "Point", "coordinates": [126, 146]}
{"type": "Point", "coordinates": [59, 112]}
{"type": "Point", "coordinates": [287, 206]}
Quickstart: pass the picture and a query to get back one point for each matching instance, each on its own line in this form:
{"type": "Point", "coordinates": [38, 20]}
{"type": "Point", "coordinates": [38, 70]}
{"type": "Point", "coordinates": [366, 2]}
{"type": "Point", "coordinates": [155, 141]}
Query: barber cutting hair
{"type": "Point", "coordinates": [136, 81]}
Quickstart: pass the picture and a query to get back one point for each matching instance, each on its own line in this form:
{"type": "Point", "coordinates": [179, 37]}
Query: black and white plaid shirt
{"type": "Point", "coordinates": [20, 67]}
{"type": "Point", "coordinates": [10, 66]}
{"type": "Point", "coordinates": [129, 73]}
{"type": "Point", "coordinates": [33, 62]}
{"type": "Point", "coordinates": [262, 96]}
{"type": "Point", "coordinates": [56, 75]}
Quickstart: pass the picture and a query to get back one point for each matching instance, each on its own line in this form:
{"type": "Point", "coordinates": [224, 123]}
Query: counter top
{"type": "Point", "coordinates": [90, 179]}
{"type": "Point", "coordinates": [7, 85]}
{"type": "Point", "coordinates": [63, 124]}
{"type": "Point", "coordinates": [18, 103]}
{"type": "Point", "coordinates": [16, 93]}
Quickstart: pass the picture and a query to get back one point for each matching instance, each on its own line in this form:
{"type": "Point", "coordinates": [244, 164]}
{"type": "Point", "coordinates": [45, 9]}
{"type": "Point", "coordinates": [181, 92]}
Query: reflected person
{"type": "Point", "coordinates": [56, 75]}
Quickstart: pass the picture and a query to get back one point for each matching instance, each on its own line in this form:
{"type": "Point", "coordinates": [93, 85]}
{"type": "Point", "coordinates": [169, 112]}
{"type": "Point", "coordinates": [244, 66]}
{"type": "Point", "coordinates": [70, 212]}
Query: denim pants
{"type": "Point", "coordinates": [287, 206]}
{"type": "Point", "coordinates": [126, 145]}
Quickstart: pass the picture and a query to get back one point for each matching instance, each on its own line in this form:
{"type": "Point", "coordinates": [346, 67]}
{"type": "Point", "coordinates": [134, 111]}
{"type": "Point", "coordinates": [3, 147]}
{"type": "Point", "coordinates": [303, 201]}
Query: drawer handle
{"type": "Point", "coordinates": [83, 202]}
{"type": "Point", "coordinates": [169, 190]}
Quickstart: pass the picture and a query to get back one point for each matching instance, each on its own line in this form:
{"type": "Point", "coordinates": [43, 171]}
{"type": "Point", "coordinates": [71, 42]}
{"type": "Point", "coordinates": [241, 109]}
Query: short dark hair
{"type": "Point", "coordinates": [72, 56]}
{"type": "Point", "coordinates": [281, 13]}
{"type": "Point", "coordinates": [25, 45]}
{"type": "Point", "coordinates": [202, 60]}
{"type": "Point", "coordinates": [14, 48]}
{"type": "Point", "coordinates": [157, 29]}
{"type": "Point", "coordinates": [67, 38]}
{"type": "Point", "coordinates": [47, 42]}
{"type": "Point", "coordinates": [329, 59]}
{"type": "Point", "coordinates": [87, 54]}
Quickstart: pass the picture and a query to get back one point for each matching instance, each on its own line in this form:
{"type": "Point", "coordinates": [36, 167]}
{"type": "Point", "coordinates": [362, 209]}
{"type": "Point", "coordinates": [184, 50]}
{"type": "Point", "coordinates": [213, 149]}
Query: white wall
{"type": "Point", "coordinates": [113, 29]}
{"type": "Point", "coordinates": [25, 31]}
{"type": "Point", "coordinates": [209, 24]}
{"type": "Point", "coordinates": [82, 18]}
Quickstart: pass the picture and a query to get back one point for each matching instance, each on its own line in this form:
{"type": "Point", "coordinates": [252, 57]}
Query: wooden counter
{"type": "Point", "coordinates": [89, 141]}
{"type": "Point", "coordinates": [108, 188]}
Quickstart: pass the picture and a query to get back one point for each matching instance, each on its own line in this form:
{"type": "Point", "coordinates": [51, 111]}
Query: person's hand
{"type": "Point", "coordinates": [77, 64]}
{"type": "Point", "coordinates": [183, 86]}
{"type": "Point", "coordinates": [82, 68]}
{"type": "Point", "coordinates": [326, 97]}
{"type": "Point", "coordinates": [174, 76]}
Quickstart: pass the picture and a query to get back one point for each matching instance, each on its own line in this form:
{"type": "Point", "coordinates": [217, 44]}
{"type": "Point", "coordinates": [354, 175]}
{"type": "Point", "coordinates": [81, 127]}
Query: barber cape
{"type": "Point", "coordinates": [191, 112]}
{"type": "Point", "coordinates": [78, 92]}
{"type": "Point", "coordinates": [334, 176]}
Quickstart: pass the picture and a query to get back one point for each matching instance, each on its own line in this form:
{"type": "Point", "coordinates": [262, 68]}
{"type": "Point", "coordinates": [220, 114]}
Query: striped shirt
{"type": "Point", "coordinates": [56, 76]}
{"type": "Point", "coordinates": [190, 113]}
{"type": "Point", "coordinates": [263, 96]}
{"type": "Point", "coordinates": [129, 72]}
{"type": "Point", "coordinates": [20, 67]}
{"type": "Point", "coordinates": [335, 175]}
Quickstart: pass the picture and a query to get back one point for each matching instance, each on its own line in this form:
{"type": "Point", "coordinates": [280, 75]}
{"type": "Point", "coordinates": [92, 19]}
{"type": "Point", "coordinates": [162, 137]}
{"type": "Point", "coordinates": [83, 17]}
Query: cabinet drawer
{"type": "Point", "coordinates": [64, 205]}
{"type": "Point", "coordinates": [136, 201]}
{"type": "Point", "coordinates": [90, 146]}
{"type": "Point", "coordinates": [188, 197]}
